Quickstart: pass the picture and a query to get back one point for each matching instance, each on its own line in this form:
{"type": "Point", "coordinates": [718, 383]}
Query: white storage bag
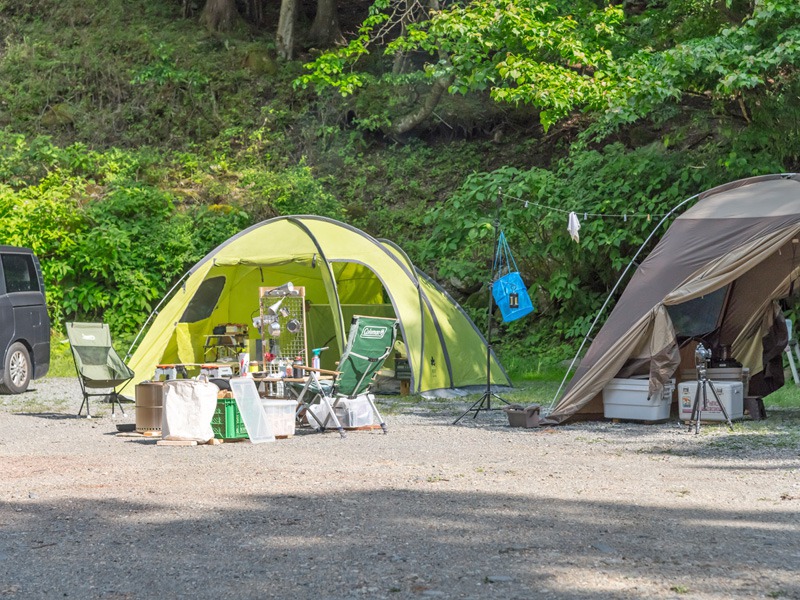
{"type": "Point", "coordinates": [189, 406]}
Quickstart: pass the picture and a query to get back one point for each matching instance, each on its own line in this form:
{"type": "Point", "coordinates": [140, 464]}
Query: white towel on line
{"type": "Point", "coordinates": [574, 226]}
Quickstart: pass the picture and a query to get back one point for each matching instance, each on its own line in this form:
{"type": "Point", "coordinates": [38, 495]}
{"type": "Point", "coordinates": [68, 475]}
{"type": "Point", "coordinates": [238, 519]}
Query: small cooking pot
{"type": "Point", "coordinates": [274, 329]}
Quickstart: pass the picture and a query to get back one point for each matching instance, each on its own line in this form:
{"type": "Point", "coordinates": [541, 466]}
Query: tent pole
{"type": "Point", "coordinates": [611, 294]}
{"type": "Point", "coordinates": [488, 394]}
{"type": "Point", "coordinates": [155, 312]}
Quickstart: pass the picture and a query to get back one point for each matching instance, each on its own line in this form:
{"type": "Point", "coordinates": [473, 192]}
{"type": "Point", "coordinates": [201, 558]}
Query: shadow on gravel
{"type": "Point", "coordinates": [402, 543]}
{"type": "Point", "coordinates": [52, 416]}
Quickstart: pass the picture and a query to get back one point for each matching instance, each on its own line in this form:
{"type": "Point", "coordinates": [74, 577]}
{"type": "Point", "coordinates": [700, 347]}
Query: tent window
{"type": "Point", "coordinates": [205, 299]}
{"type": "Point", "coordinates": [699, 316]}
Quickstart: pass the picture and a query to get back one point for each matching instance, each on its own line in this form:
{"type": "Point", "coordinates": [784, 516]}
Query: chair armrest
{"type": "Point", "coordinates": [323, 371]}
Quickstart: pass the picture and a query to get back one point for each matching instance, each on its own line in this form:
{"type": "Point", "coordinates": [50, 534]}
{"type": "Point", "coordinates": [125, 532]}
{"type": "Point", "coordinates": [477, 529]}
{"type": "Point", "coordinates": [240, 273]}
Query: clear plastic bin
{"type": "Point", "coordinates": [280, 415]}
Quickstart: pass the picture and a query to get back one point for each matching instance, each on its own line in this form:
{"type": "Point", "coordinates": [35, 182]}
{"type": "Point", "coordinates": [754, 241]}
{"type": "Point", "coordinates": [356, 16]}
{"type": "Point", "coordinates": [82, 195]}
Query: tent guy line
{"type": "Point", "coordinates": [586, 214]}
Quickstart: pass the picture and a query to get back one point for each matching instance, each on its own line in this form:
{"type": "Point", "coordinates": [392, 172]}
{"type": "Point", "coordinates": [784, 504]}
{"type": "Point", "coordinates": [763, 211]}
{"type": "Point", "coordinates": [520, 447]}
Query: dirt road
{"type": "Point", "coordinates": [476, 510]}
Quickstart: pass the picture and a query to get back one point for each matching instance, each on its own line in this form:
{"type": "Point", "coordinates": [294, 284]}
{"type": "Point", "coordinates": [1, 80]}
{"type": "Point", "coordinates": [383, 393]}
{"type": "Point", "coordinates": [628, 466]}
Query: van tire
{"type": "Point", "coordinates": [17, 370]}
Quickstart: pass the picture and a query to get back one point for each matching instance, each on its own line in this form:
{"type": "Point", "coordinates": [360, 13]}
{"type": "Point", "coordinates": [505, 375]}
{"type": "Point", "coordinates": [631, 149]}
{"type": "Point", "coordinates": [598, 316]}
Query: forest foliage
{"type": "Point", "coordinates": [133, 140]}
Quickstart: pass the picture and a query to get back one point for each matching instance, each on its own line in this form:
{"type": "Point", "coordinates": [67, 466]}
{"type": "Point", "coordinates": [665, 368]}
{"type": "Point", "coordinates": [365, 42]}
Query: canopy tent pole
{"type": "Point", "coordinates": [610, 295]}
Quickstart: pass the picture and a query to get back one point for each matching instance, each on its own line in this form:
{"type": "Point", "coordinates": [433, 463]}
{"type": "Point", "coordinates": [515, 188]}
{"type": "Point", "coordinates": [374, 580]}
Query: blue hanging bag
{"type": "Point", "coordinates": [509, 291]}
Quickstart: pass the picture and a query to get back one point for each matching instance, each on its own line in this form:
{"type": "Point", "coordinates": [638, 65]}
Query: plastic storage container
{"type": "Point", "coordinates": [716, 374]}
{"type": "Point", "coordinates": [227, 423]}
{"type": "Point", "coordinates": [523, 416]}
{"type": "Point", "coordinates": [354, 413]}
{"type": "Point", "coordinates": [402, 370]}
{"type": "Point", "coordinates": [730, 393]}
{"type": "Point", "coordinates": [280, 416]}
{"type": "Point", "coordinates": [627, 399]}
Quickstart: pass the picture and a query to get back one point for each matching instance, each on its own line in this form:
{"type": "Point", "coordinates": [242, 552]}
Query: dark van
{"type": "Point", "coordinates": [24, 324]}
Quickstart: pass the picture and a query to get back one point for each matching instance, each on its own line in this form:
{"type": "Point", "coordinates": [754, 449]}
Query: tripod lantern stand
{"type": "Point", "coordinates": [485, 401]}
{"type": "Point", "coordinates": [513, 302]}
{"type": "Point", "coordinates": [702, 356]}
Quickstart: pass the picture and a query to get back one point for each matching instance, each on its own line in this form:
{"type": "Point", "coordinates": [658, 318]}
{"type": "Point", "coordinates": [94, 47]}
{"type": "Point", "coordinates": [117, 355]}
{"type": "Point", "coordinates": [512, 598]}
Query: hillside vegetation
{"type": "Point", "coordinates": [136, 136]}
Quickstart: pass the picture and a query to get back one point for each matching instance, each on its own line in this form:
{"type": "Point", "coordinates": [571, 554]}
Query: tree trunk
{"type": "Point", "coordinates": [409, 122]}
{"type": "Point", "coordinates": [219, 15]}
{"type": "Point", "coordinates": [325, 31]}
{"type": "Point", "coordinates": [285, 37]}
{"type": "Point", "coordinates": [400, 62]}
{"type": "Point", "coordinates": [254, 10]}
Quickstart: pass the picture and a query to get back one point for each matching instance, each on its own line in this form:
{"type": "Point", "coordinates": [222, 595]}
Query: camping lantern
{"type": "Point", "coordinates": [509, 291]}
{"type": "Point", "coordinates": [511, 297]}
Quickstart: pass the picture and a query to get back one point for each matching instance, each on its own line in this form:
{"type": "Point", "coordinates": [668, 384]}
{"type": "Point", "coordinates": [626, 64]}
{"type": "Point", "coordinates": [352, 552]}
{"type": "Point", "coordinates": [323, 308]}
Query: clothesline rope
{"type": "Point", "coordinates": [585, 214]}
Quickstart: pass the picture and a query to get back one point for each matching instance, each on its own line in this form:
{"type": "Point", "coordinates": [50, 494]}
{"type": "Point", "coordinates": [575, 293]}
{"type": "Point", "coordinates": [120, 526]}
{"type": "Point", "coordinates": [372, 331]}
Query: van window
{"type": "Point", "coordinates": [204, 300]}
{"type": "Point", "coordinates": [20, 273]}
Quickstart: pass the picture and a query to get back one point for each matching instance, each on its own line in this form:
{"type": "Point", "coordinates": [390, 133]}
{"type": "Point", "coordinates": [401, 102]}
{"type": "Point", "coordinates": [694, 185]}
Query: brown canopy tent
{"type": "Point", "coordinates": [715, 275]}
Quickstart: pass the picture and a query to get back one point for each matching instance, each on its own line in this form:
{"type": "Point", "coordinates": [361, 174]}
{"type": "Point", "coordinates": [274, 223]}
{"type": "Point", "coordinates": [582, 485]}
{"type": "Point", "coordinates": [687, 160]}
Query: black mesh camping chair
{"type": "Point", "coordinates": [98, 365]}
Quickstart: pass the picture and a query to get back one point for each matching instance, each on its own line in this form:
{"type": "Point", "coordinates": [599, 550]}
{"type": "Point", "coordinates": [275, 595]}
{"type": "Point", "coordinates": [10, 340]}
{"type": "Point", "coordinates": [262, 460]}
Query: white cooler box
{"type": "Point", "coordinates": [730, 393]}
{"type": "Point", "coordinates": [627, 399]}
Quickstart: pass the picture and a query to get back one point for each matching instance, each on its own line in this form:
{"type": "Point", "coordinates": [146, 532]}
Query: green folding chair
{"type": "Point", "coordinates": [97, 363]}
{"type": "Point", "coordinates": [369, 342]}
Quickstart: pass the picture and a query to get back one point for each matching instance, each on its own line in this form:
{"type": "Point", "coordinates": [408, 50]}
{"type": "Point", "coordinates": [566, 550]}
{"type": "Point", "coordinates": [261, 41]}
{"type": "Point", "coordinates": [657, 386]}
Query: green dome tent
{"type": "Point", "coordinates": [344, 272]}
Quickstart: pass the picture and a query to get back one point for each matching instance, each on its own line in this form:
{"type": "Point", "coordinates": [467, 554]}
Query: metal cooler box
{"type": "Point", "coordinates": [730, 393]}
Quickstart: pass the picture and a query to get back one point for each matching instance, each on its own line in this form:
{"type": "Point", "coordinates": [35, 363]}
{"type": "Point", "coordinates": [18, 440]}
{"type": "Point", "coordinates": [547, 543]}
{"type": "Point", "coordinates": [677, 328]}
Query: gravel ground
{"type": "Point", "coordinates": [477, 510]}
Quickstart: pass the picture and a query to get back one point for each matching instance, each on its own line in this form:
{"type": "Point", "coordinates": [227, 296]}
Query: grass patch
{"type": "Point", "coordinates": [538, 391]}
{"type": "Point", "coordinates": [786, 397]}
{"type": "Point", "coordinates": [522, 368]}
{"type": "Point", "coordinates": [61, 363]}
{"type": "Point", "coordinates": [780, 430]}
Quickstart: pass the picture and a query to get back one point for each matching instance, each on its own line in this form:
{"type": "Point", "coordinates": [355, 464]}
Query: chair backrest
{"type": "Point", "coordinates": [95, 357]}
{"type": "Point", "coordinates": [369, 342]}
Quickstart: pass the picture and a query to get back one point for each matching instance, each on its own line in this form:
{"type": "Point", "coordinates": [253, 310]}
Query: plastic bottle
{"type": "Point", "coordinates": [315, 359]}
